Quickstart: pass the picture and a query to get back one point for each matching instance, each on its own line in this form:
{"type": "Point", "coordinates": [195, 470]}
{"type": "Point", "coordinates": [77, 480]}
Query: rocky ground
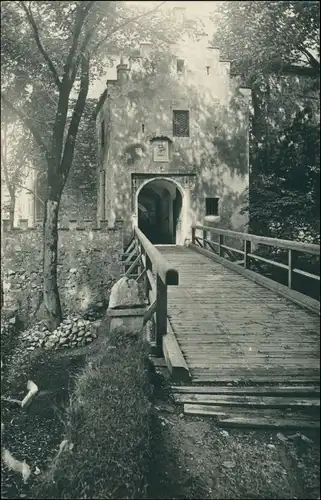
{"type": "Point", "coordinates": [72, 332]}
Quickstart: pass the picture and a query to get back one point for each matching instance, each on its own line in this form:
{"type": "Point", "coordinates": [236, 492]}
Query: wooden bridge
{"type": "Point", "coordinates": [237, 340]}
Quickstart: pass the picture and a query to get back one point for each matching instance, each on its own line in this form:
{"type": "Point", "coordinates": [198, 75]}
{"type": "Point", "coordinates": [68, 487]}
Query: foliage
{"type": "Point", "coordinates": [49, 52]}
{"type": "Point", "coordinates": [270, 37]}
{"type": "Point", "coordinates": [286, 187]}
{"type": "Point", "coordinates": [105, 28]}
{"type": "Point", "coordinates": [108, 422]}
{"type": "Point", "coordinates": [19, 157]}
{"type": "Point", "coordinates": [274, 47]}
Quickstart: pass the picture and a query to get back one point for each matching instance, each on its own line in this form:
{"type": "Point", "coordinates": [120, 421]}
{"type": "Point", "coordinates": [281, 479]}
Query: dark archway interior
{"type": "Point", "coordinates": [159, 209]}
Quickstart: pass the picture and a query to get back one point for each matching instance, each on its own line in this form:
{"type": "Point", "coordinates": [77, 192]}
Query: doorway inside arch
{"type": "Point", "coordinates": [159, 211]}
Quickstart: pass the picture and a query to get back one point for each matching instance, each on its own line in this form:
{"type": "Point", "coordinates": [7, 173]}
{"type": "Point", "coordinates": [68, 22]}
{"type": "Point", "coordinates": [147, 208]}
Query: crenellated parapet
{"type": "Point", "coordinates": [64, 225]}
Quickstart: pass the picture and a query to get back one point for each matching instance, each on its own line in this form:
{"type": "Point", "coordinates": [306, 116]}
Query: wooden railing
{"type": "Point", "coordinates": [220, 248]}
{"type": "Point", "coordinates": [157, 274]}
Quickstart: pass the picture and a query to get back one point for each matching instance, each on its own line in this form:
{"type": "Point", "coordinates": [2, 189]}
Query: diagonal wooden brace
{"type": "Point", "coordinates": [130, 256]}
{"type": "Point", "coordinates": [149, 313]}
{"type": "Point", "coordinates": [133, 265]}
{"type": "Point", "coordinates": [141, 275]}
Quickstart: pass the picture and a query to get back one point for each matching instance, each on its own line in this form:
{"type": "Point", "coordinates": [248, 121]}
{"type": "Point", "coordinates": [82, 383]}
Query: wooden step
{"type": "Point", "coordinates": [248, 401]}
{"type": "Point", "coordinates": [252, 418]}
{"type": "Point", "coordinates": [213, 377]}
{"type": "Point", "coordinates": [266, 389]}
{"type": "Point", "coordinates": [263, 422]}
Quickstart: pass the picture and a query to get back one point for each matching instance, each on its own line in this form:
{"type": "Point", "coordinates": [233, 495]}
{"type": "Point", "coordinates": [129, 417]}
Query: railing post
{"type": "Point", "coordinates": [247, 250]}
{"type": "Point", "coordinates": [290, 267]}
{"type": "Point", "coordinates": [139, 266]}
{"type": "Point", "coordinates": [148, 266]}
{"type": "Point", "coordinates": [161, 314]}
{"type": "Point", "coordinates": [220, 243]}
{"type": "Point", "coordinates": [193, 235]}
{"type": "Point", "coordinates": [204, 238]}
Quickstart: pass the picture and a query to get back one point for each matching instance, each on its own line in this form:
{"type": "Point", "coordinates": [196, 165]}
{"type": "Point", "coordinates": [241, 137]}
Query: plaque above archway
{"type": "Point", "coordinates": [161, 148]}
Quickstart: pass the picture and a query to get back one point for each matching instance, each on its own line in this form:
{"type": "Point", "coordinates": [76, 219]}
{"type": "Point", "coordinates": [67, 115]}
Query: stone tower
{"type": "Point", "coordinates": [173, 143]}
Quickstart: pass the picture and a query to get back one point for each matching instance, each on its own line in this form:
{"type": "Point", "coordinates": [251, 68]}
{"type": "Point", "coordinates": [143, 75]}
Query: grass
{"type": "Point", "coordinates": [108, 422]}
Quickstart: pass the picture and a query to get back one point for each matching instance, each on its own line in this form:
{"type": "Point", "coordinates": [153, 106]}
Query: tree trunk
{"type": "Point", "coordinates": [60, 161]}
{"type": "Point", "coordinates": [53, 314]}
{"type": "Point", "coordinates": [12, 210]}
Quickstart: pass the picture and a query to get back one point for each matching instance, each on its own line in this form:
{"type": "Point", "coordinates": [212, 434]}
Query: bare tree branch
{"type": "Point", "coordinates": [125, 23]}
{"type": "Point", "coordinates": [70, 72]}
{"type": "Point", "coordinates": [30, 191]}
{"type": "Point", "coordinates": [82, 51]}
{"type": "Point", "coordinates": [39, 44]}
{"type": "Point", "coordinates": [312, 60]}
{"type": "Point", "coordinates": [81, 15]}
{"type": "Point", "coordinates": [75, 119]}
{"type": "Point", "coordinates": [293, 69]}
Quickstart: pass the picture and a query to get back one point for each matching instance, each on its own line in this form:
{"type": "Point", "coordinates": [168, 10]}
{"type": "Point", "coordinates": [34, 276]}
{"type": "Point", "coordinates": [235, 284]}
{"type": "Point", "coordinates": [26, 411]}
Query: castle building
{"type": "Point", "coordinates": [169, 148]}
{"type": "Point", "coordinates": [173, 144]}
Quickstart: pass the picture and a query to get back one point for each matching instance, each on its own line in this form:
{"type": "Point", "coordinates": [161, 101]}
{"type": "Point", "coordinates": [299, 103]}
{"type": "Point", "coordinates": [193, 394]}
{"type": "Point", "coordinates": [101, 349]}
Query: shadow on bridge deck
{"type": "Point", "coordinates": [231, 329]}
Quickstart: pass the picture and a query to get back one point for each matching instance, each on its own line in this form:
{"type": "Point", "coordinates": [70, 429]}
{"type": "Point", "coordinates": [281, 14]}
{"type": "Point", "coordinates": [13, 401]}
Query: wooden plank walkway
{"type": "Point", "coordinates": [231, 329]}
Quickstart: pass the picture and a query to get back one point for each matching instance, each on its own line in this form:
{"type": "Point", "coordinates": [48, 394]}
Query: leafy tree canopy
{"type": "Point", "coordinates": [274, 47]}
{"type": "Point", "coordinates": [270, 37]}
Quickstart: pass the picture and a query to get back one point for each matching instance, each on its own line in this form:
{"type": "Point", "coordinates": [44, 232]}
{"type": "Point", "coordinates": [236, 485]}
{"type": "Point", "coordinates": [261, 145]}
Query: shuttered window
{"type": "Point", "coordinates": [180, 65]}
{"type": "Point", "coordinates": [211, 206]}
{"type": "Point", "coordinates": [181, 123]}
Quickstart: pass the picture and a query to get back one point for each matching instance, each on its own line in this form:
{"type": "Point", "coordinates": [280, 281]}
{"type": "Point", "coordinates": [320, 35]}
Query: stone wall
{"type": "Point", "coordinates": [88, 265]}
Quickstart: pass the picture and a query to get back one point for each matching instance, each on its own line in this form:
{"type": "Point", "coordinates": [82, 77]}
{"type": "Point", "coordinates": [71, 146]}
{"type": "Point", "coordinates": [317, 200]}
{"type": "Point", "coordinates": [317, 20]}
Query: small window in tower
{"type": "Point", "coordinates": [180, 65]}
{"type": "Point", "coordinates": [208, 69]}
{"type": "Point", "coordinates": [102, 134]}
{"type": "Point", "coordinates": [211, 207]}
{"type": "Point", "coordinates": [143, 127]}
{"type": "Point", "coordinates": [181, 123]}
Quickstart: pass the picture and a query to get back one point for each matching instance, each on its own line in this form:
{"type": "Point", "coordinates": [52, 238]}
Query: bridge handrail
{"type": "Point", "coordinates": [158, 275]}
{"type": "Point", "coordinates": [291, 246]}
{"type": "Point", "coordinates": [162, 268]}
{"type": "Point", "coordinates": [265, 240]}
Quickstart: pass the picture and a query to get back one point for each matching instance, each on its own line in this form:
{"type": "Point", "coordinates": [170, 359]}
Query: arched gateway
{"type": "Point", "coordinates": [159, 207]}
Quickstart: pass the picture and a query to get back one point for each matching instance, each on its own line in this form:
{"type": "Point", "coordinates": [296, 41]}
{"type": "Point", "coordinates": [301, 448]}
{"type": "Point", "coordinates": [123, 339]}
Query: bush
{"type": "Point", "coordinates": [9, 339]}
{"type": "Point", "coordinates": [108, 423]}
